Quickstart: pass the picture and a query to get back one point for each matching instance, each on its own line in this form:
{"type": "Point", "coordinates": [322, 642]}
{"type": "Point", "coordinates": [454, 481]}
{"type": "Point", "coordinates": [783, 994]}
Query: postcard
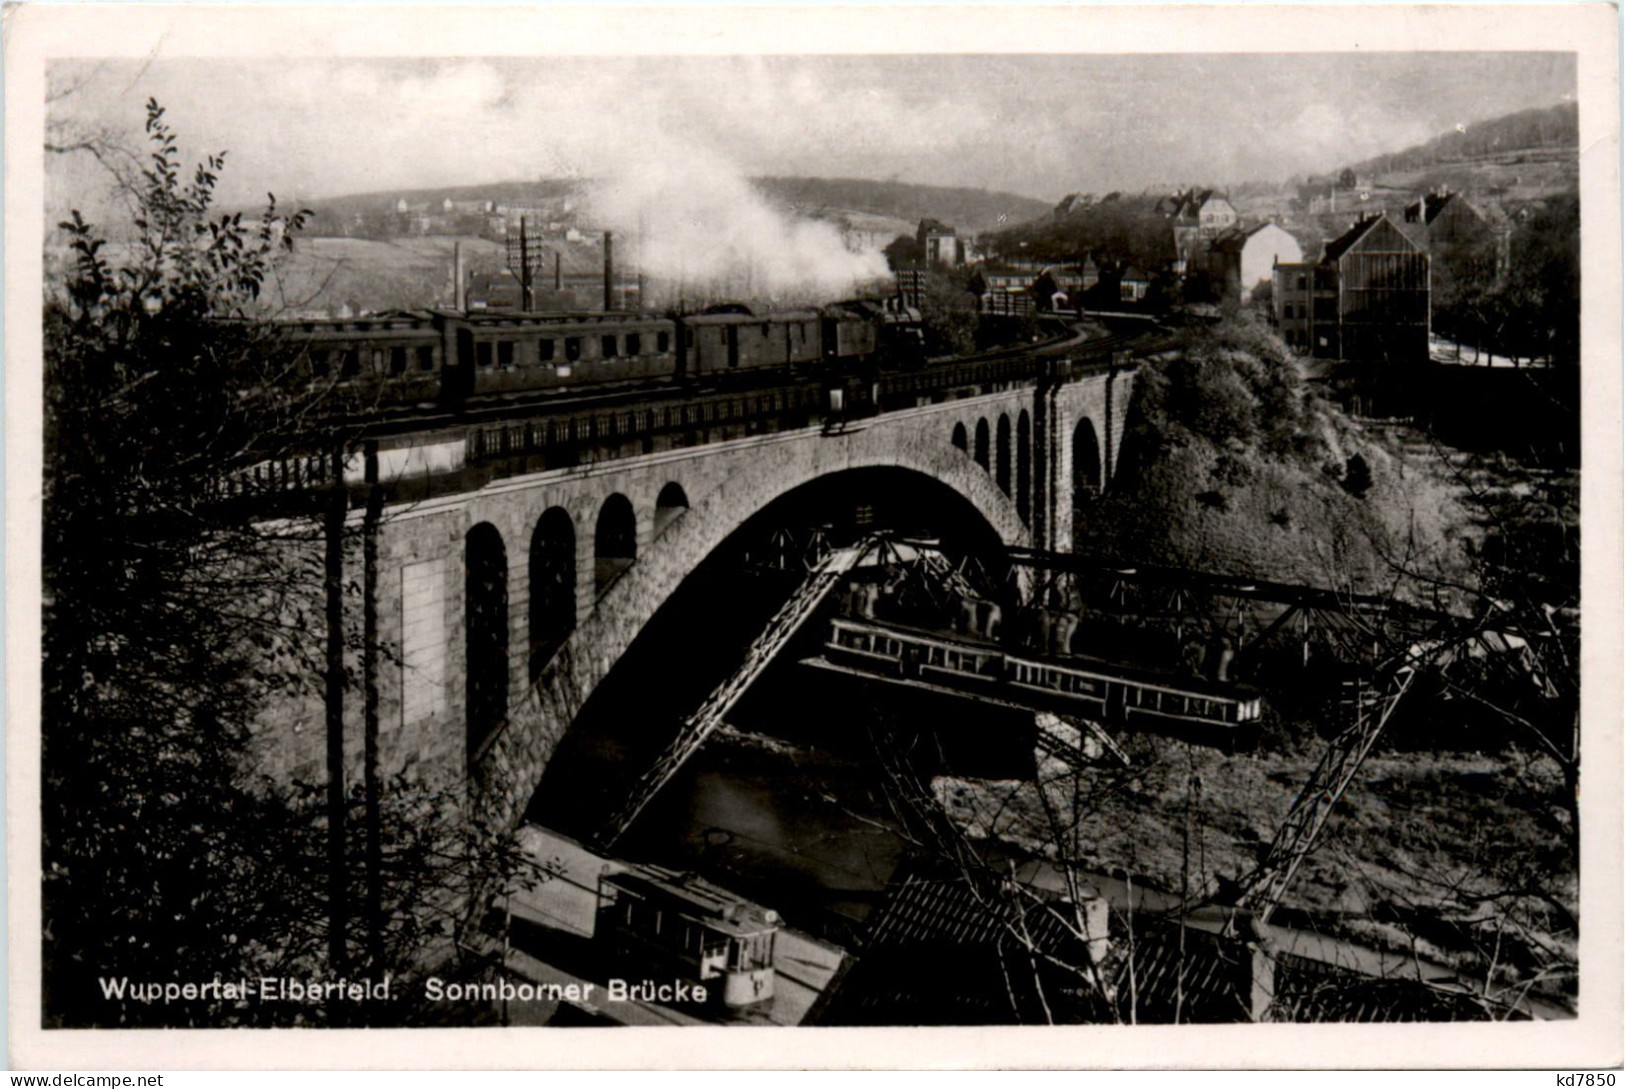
{"type": "Point", "coordinates": [967, 536]}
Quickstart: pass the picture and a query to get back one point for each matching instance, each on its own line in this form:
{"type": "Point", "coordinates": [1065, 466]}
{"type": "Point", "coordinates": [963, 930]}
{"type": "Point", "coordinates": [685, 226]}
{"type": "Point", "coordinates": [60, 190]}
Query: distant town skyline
{"type": "Point", "coordinates": [1038, 126]}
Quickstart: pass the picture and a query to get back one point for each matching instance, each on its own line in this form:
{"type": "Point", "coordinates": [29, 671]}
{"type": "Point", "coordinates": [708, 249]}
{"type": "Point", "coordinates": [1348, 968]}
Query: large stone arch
{"type": "Point", "coordinates": [514, 763]}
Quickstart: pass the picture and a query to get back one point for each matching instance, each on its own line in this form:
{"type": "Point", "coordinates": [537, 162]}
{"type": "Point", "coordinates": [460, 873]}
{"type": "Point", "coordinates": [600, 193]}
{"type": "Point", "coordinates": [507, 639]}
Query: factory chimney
{"type": "Point", "coordinates": [458, 299]}
{"type": "Point", "coordinates": [609, 271]}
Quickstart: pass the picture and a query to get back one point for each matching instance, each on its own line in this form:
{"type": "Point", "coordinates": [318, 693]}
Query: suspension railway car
{"type": "Point", "coordinates": [1103, 691]}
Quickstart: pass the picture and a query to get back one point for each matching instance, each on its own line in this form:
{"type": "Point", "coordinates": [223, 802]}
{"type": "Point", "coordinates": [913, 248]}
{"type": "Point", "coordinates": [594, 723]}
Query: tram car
{"type": "Point", "coordinates": [657, 920]}
{"type": "Point", "coordinates": [1096, 689]}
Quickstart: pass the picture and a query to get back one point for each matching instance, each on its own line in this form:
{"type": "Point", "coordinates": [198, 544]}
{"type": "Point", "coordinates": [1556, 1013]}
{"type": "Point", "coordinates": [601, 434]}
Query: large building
{"type": "Point", "coordinates": [1242, 258]}
{"type": "Point", "coordinates": [1366, 300]}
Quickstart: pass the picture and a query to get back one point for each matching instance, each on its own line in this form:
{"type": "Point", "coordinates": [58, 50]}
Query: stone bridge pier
{"type": "Point", "coordinates": [504, 607]}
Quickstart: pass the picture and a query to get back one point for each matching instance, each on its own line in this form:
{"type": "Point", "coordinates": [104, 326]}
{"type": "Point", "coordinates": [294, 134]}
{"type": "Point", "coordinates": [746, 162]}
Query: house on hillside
{"type": "Point", "coordinates": [1088, 272]}
{"type": "Point", "coordinates": [1203, 209]}
{"type": "Point", "coordinates": [1003, 288]}
{"type": "Point", "coordinates": [1073, 202]}
{"type": "Point", "coordinates": [1242, 258]}
{"type": "Point", "coordinates": [1197, 216]}
{"type": "Point", "coordinates": [1367, 300]}
{"type": "Point", "coordinates": [1000, 278]}
{"type": "Point", "coordinates": [1133, 285]}
{"type": "Point", "coordinates": [1050, 286]}
{"type": "Point", "coordinates": [939, 243]}
{"type": "Point", "coordinates": [1447, 225]}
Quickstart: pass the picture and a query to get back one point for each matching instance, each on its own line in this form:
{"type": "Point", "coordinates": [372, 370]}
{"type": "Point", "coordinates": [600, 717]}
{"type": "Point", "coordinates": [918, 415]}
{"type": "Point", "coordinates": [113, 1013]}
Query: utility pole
{"type": "Point", "coordinates": [526, 302]}
{"type": "Point", "coordinates": [338, 505]}
{"type": "Point", "coordinates": [369, 670]}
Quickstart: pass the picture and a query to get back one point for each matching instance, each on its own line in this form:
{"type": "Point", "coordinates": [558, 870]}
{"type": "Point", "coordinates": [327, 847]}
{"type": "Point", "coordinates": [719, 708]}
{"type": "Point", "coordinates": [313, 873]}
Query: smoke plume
{"type": "Point", "coordinates": [699, 231]}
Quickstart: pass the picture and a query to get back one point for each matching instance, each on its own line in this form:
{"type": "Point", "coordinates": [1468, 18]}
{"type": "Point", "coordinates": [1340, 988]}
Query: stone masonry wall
{"type": "Point", "coordinates": [422, 690]}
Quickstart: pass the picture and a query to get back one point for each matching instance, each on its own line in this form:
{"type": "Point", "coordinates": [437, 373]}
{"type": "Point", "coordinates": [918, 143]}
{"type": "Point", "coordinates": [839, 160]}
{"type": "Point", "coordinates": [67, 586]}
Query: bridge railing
{"type": "Point", "coordinates": [555, 435]}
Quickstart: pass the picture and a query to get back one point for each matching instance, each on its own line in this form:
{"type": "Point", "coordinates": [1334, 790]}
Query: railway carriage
{"type": "Point", "coordinates": [737, 340]}
{"type": "Point", "coordinates": [395, 358]}
{"type": "Point", "coordinates": [505, 354]}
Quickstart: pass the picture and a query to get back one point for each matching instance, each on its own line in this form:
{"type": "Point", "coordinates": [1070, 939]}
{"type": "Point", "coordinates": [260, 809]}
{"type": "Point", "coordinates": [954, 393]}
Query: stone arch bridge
{"type": "Point", "coordinates": [507, 601]}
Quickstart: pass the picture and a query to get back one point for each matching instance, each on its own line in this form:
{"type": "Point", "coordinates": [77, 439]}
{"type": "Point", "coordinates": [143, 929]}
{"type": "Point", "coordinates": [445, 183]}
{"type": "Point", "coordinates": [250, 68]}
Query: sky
{"type": "Point", "coordinates": [1041, 126]}
{"type": "Point", "coordinates": [668, 143]}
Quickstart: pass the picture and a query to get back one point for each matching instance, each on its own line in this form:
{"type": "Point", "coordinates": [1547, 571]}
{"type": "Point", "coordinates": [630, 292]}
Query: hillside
{"type": "Point", "coordinates": [1554, 130]}
{"type": "Point", "coordinates": [854, 200]}
{"type": "Point", "coordinates": [967, 209]}
{"type": "Point", "coordinates": [1512, 160]}
{"type": "Point", "coordinates": [1515, 159]}
{"type": "Point", "coordinates": [332, 213]}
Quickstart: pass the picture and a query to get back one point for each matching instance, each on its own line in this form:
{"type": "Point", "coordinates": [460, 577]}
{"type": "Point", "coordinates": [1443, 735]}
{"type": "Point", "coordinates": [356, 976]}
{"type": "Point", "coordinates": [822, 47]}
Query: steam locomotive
{"type": "Point", "coordinates": [451, 358]}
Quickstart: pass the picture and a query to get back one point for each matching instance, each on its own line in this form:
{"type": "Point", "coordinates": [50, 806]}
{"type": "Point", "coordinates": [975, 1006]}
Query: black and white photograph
{"type": "Point", "coordinates": [1048, 531]}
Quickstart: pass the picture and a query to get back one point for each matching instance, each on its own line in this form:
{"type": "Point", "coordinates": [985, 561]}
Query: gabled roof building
{"type": "Point", "coordinates": [1447, 225]}
{"type": "Point", "coordinates": [1366, 300]}
{"type": "Point", "coordinates": [1244, 257]}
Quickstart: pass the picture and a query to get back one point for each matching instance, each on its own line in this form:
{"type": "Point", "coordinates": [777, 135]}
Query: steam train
{"type": "Point", "coordinates": [452, 358]}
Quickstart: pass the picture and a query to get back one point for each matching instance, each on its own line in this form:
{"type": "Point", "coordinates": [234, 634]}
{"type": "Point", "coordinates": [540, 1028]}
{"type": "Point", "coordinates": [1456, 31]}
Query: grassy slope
{"type": "Point", "coordinates": [1528, 135]}
{"type": "Point", "coordinates": [374, 275]}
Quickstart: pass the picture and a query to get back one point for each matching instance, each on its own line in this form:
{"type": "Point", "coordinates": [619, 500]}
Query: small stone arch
{"type": "Point", "coordinates": [1024, 466]}
{"type": "Point", "coordinates": [961, 438]}
{"type": "Point", "coordinates": [615, 541]}
{"type": "Point", "coordinates": [485, 630]}
{"type": "Point", "coordinates": [552, 586]}
{"type": "Point", "coordinates": [982, 442]}
{"type": "Point", "coordinates": [669, 506]}
{"type": "Point", "coordinates": [1086, 478]}
{"type": "Point", "coordinates": [1001, 454]}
